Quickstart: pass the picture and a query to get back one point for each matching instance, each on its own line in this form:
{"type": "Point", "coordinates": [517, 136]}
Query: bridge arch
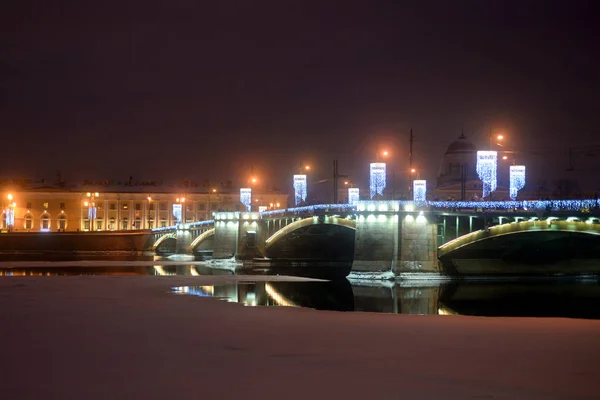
{"type": "Point", "coordinates": [162, 238]}
{"type": "Point", "coordinates": [513, 228]}
{"type": "Point", "coordinates": [201, 238]}
{"type": "Point", "coordinates": [329, 220]}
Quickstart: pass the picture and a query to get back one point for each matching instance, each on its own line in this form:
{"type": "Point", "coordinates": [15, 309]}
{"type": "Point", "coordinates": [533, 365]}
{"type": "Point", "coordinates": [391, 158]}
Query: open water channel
{"type": "Point", "coordinates": [569, 296]}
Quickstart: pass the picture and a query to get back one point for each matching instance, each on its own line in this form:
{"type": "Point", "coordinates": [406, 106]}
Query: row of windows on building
{"type": "Point", "coordinates": [45, 223]}
{"type": "Point", "coordinates": [138, 206]}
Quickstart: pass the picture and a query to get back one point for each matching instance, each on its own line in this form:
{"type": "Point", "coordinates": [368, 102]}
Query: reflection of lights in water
{"type": "Point", "coordinates": [250, 299]}
{"type": "Point", "coordinates": [278, 298]}
{"type": "Point", "coordinates": [443, 310]}
{"type": "Point", "coordinates": [202, 291]}
{"type": "Point", "coordinates": [159, 270]}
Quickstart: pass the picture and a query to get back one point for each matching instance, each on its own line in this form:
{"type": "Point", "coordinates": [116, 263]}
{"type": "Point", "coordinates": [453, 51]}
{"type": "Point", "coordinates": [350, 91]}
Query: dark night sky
{"type": "Point", "coordinates": [198, 89]}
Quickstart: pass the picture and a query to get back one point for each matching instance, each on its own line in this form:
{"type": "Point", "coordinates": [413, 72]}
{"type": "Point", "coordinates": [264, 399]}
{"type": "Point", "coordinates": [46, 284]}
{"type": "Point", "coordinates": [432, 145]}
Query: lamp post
{"type": "Point", "coordinates": [91, 205]}
{"type": "Point", "coordinates": [498, 138]}
{"type": "Point", "coordinates": [149, 216]}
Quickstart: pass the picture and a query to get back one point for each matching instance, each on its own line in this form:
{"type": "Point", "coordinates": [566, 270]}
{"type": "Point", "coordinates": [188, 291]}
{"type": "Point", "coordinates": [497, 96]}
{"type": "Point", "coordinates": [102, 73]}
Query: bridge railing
{"type": "Point", "coordinates": [188, 225]}
{"type": "Point", "coordinates": [543, 205]}
{"type": "Point", "coordinates": [311, 210]}
{"type": "Point", "coordinates": [393, 205]}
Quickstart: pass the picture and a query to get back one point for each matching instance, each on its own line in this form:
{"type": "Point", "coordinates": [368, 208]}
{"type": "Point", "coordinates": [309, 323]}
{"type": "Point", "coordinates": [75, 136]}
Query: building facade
{"type": "Point", "coordinates": [99, 208]}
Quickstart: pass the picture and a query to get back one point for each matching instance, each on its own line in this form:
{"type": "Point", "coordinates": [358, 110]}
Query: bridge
{"type": "Point", "coordinates": [393, 237]}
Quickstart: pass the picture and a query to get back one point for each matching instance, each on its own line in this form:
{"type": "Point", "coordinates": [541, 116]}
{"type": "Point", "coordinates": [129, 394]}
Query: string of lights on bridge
{"type": "Point", "coordinates": [386, 206]}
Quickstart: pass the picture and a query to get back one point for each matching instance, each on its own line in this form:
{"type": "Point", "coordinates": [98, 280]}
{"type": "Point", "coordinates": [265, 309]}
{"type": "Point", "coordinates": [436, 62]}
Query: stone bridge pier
{"type": "Point", "coordinates": [390, 239]}
{"type": "Point", "coordinates": [239, 234]}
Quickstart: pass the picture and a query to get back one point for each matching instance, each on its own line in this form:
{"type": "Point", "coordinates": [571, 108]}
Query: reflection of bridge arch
{"type": "Point", "coordinates": [160, 271]}
{"type": "Point", "coordinates": [161, 239]}
{"type": "Point", "coordinates": [308, 222]}
{"type": "Point", "coordinates": [551, 225]}
{"type": "Point", "coordinates": [202, 237]}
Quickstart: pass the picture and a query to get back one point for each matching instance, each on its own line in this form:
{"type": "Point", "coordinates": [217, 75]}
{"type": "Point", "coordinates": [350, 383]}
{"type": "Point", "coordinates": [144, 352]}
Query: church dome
{"type": "Point", "coordinates": [458, 163]}
{"type": "Point", "coordinates": [460, 145]}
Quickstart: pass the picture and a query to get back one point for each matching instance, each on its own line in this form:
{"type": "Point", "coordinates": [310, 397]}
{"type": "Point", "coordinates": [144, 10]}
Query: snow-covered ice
{"type": "Point", "coordinates": [128, 338]}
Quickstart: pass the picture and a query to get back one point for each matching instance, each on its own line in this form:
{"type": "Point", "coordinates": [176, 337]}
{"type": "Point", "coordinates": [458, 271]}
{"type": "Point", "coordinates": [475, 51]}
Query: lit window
{"type": "Point", "coordinates": [45, 221]}
{"type": "Point", "coordinates": [62, 222]}
{"type": "Point", "coordinates": [28, 221]}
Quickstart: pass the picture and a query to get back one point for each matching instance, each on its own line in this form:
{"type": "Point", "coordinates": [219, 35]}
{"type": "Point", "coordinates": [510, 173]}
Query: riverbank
{"type": "Point", "coordinates": [129, 337]}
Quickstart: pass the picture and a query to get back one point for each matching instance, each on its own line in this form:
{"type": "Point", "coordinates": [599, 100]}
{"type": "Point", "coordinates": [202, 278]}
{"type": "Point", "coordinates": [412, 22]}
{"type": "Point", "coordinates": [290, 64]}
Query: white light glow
{"type": "Point", "coordinates": [353, 195]}
{"type": "Point", "coordinates": [487, 167]}
{"type": "Point", "coordinates": [377, 179]}
{"type": "Point", "coordinates": [91, 212]}
{"type": "Point", "coordinates": [420, 191]}
{"type": "Point", "coordinates": [177, 212]}
{"type": "Point", "coordinates": [299, 189]}
{"type": "Point", "coordinates": [246, 198]}
{"type": "Point", "coordinates": [10, 217]}
{"type": "Point", "coordinates": [517, 180]}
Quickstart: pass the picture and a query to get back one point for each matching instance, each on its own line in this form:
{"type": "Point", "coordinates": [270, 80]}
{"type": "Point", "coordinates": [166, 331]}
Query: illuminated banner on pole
{"type": "Point", "coordinates": [517, 180]}
{"type": "Point", "coordinates": [420, 191]}
{"type": "Point", "coordinates": [353, 195]}
{"type": "Point", "coordinates": [487, 166]}
{"type": "Point", "coordinates": [177, 213]}
{"type": "Point", "coordinates": [377, 179]}
{"type": "Point", "coordinates": [91, 212]}
{"type": "Point", "coordinates": [299, 189]}
{"type": "Point", "coordinates": [246, 198]}
{"type": "Point", "coordinates": [10, 217]}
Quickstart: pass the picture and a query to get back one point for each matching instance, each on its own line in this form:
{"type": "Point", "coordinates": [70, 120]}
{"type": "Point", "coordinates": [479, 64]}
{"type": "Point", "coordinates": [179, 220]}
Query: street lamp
{"type": "Point", "coordinates": [91, 205]}
{"type": "Point", "coordinates": [498, 138]}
